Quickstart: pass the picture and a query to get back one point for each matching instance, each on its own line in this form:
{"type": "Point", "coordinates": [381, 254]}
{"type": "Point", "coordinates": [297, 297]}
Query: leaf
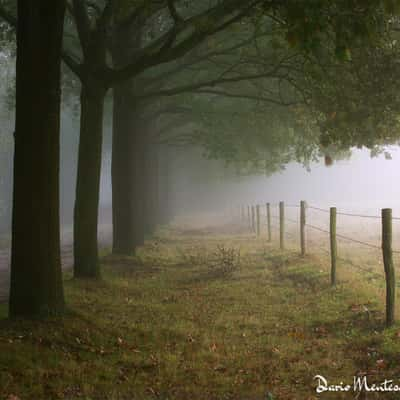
{"type": "Point", "coordinates": [381, 363]}
{"type": "Point", "coordinates": [387, 155]}
{"type": "Point", "coordinates": [219, 368]}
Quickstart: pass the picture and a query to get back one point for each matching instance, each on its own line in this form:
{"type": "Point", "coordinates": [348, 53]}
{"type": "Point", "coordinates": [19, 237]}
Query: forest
{"type": "Point", "coordinates": [150, 244]}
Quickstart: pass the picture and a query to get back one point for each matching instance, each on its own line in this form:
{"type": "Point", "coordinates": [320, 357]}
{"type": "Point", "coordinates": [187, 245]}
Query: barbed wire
{"type": "Point", "coordinates": [347, 214]}
{"type": "Point", "coordinates": [359, 215]}
{"type": "Point", "coordinates": [343, 237]}
{"type": "Point", "coordinates": [349, 239]}
{"type": "Point", "coordinates": [317, 208]}
{"type": "Point", "coordinates": [340, 236]}
{"type": "Point", "coordinates": [318, 228]}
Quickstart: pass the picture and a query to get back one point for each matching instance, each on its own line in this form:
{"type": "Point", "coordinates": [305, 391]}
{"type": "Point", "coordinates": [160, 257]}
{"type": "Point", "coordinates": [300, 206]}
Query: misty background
{"type": "Point", "coordinates": [360, 183]}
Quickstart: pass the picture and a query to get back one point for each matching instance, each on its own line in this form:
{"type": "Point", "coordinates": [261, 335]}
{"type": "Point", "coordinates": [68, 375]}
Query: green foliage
{"type": "Point", "coordinates": [356, 103]}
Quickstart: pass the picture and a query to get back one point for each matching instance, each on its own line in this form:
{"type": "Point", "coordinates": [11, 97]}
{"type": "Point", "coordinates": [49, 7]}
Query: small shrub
{"type": "Point", "coordinates": [225, 260]}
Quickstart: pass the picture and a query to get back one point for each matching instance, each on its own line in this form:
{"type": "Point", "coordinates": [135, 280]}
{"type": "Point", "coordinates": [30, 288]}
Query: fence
{"type": "Point", "coordinates": [253, 219]}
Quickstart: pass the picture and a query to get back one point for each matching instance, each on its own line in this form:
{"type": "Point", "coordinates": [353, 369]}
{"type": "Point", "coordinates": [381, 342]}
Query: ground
{"type": "Point", "coordinates": [210, 313]}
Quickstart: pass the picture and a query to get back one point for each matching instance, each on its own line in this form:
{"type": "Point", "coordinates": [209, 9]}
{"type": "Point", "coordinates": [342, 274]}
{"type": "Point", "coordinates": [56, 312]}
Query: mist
{"type": "Point", "coordinates": [360, 183]}
{"type": "Point", "coordinates": [199, 199]}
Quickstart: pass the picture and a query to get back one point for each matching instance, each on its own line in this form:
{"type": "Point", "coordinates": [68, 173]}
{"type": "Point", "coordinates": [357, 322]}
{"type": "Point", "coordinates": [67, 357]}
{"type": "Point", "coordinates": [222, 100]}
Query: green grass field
{"type": "Point", "coordinates": [200, 314]}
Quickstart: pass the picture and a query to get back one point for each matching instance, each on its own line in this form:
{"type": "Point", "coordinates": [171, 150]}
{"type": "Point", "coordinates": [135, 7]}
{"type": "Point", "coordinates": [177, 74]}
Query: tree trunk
{"type": "Point", "coordinates": [127, 154]}
{"type": "Point", "coordinates": [164, 187]}
{"type": "Point", "coordinates": [155, 191]}
{"type": "Point", "coordinates": [122, 173]}
{"type": "Point", "coordinates": [151, 201]}
{"type": "Point", "coordinates": [139, 187]}
{"type": "Point", "coordinates": [36, 277]}
{"type": "Point", "coordinates": [86, 263]}
{"type": "Point", "coordinates": [128, 174]}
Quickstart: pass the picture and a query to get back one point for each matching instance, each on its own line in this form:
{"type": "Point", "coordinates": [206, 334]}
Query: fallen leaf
{"type": "Point", "coordinates": [381, 363]}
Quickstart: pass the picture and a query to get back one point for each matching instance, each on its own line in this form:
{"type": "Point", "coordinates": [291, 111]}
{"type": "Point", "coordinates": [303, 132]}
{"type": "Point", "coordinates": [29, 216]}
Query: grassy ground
{"type": "Point", "coordinates": [190, 318]}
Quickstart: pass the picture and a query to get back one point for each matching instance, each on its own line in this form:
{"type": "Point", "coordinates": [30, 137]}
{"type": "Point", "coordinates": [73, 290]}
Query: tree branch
{"type": "Point", "coordinates": [72, 64]}
{"type": "Point", "coordinates": [158, 53]}
{"type": "Point", "coordinates": [82, 24]}
{"type": "Point", "coordinates": [213, 82]}
{"type": "Point", "coordinates": [249, 97]}
{"type": "Point", "coordinates": [173, 12]}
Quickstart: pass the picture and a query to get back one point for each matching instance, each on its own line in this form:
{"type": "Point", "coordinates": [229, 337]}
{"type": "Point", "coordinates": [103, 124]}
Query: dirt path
{"type": "Point", "coordinates": [105, 237]}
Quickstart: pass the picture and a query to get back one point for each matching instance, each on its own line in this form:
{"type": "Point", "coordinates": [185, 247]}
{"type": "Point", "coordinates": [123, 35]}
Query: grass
{"type": "Point", "coordinates": [170, 324]}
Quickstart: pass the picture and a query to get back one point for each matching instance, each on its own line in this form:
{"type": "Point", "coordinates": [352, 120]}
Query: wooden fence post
{"type": "Point", "coordinates": [282, 225]}
{"type": "Point", "coordinates": [332, 226]}
{"type": "Point", "coordinates": [269, 222]}
{"type": "Point", "coordinates": [388, 264]}
{"type": "Point", "coordinates": [303, 227]}
{"type": "Point", "coordinates": [258, 220]}
{"type": "Point", "coordinates": [253, 219]}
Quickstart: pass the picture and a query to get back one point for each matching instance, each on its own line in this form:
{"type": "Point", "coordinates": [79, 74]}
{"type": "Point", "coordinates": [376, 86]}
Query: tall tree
{"type": "Point", "coordinates": [36, 281]}
{"type": "Point", "coordinates": [174, 38]}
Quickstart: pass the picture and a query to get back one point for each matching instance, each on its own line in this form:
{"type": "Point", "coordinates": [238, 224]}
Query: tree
{"type": "Point", "coordinates": [36, 282]}
{"type": "Point", "coordinates": [176, 38]}
{"type": "Point", "coordinates": [172, 41]}
{"type": "Point", "coordinates": [354, 100]}
{"type": "Point", "coordinates": [181, 27]}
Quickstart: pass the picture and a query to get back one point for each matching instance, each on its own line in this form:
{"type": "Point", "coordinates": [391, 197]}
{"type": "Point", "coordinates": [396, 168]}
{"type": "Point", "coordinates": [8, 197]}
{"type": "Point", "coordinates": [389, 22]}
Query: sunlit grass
{"type": "Point", "coordinates": [166, 324]}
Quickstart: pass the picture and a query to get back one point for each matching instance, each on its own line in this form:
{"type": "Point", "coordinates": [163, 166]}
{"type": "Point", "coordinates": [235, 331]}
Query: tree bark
{"type": "Point", "coordinates": [165, 212]}
{"type": "Point", "coordinates": [151, 201]}
{"type": "Point", "coordinates": [36, 277]}
{"type": "Point", "coordinates": [86, 263]}
{"type": "Point", "coordinates": [139, 187]}
{"type": "Point", "coordinates": [122, 173]}
{"type": "Point", "coordinates": [128, 152]}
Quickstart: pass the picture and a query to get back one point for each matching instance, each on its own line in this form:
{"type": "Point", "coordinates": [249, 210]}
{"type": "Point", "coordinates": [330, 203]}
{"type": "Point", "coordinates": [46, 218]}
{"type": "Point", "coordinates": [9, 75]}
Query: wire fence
{"type": "Point", "coordinates": [254, 215]}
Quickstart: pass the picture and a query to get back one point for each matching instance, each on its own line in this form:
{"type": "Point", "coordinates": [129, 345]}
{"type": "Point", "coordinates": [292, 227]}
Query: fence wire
{"type": "Point", "coordinates": [340, 236]}
{"type": "Point", "coordinates": [347, 214]}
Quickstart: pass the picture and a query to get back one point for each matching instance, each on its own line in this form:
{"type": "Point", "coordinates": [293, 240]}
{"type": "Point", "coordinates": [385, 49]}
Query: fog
{"type": "Point", "coordinates": [360, 183]}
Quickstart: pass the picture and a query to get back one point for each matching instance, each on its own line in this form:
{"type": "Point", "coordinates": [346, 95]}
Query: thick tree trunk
{"type": "Point", "coordinates": [86, 264]}
{"type": "Point", "coordinates": [122, 173]}
{"type": "Point", "coordinates": [128, 174]}
{"type": "Point", "coordinates": [36, 278]}
{"type": "Point", "coordinates": [128, 152]}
